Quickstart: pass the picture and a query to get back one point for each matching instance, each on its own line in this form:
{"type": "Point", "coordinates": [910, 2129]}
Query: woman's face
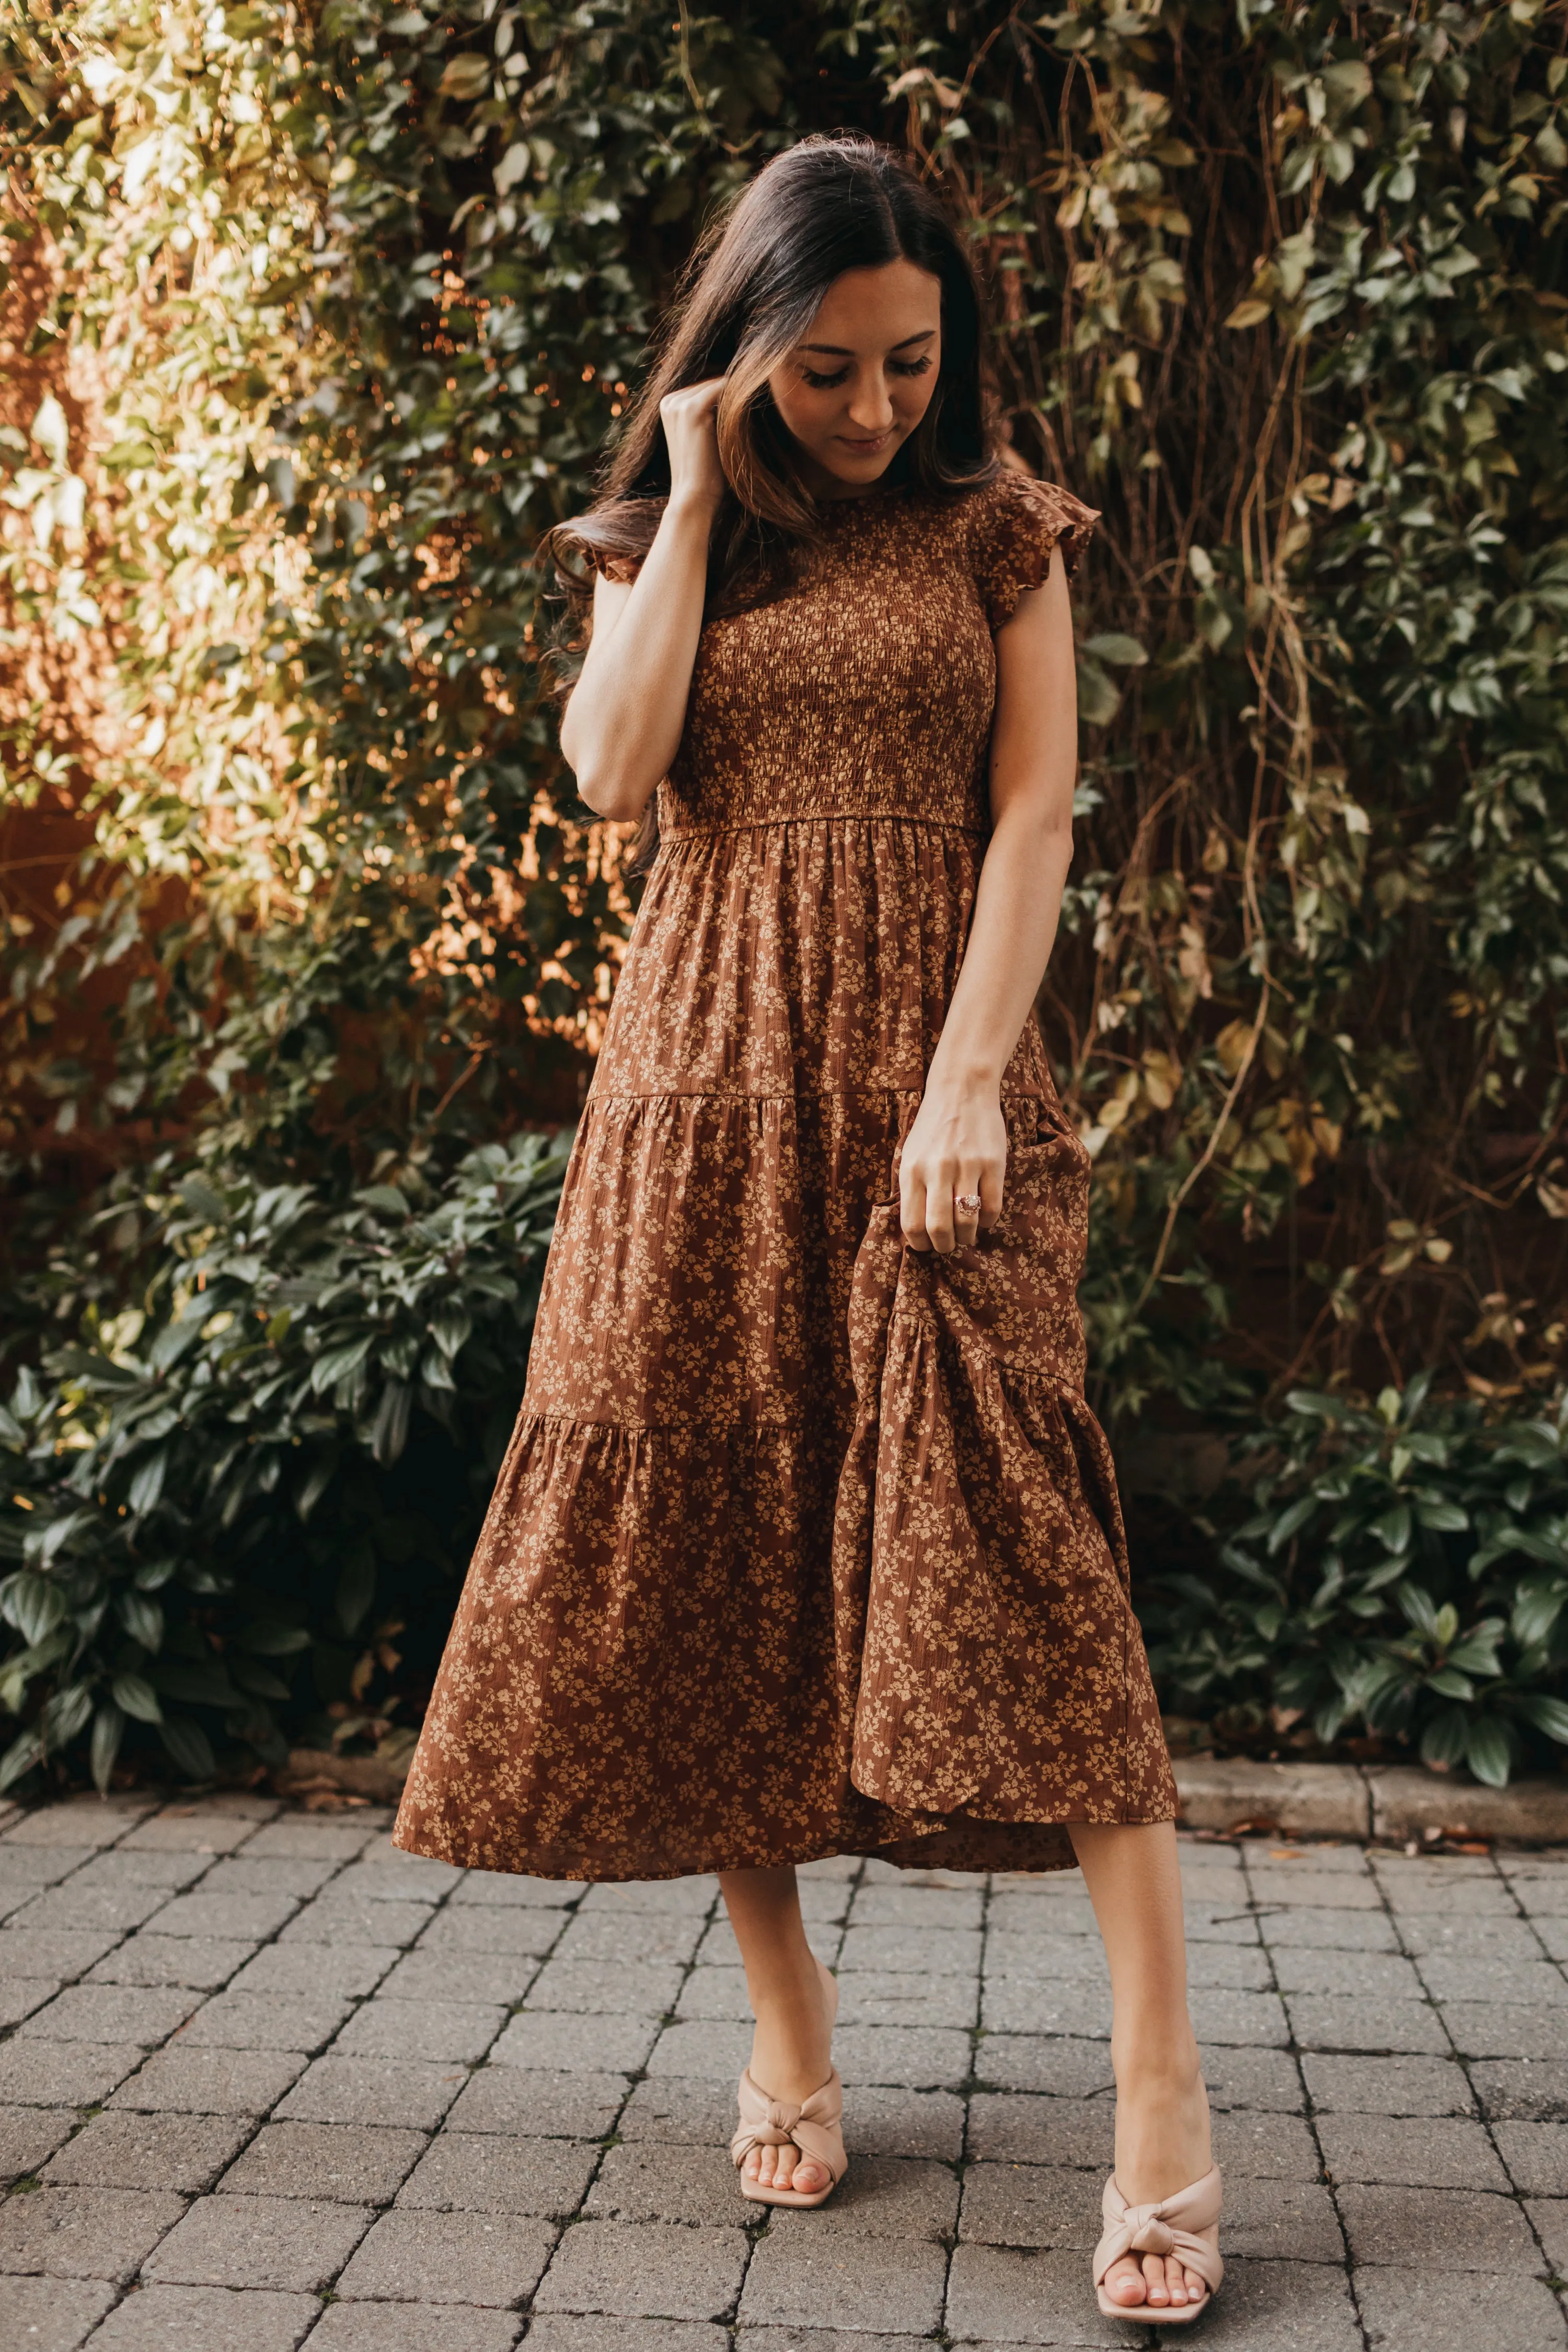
{"type": "Point", "coordinates": [857, 385]}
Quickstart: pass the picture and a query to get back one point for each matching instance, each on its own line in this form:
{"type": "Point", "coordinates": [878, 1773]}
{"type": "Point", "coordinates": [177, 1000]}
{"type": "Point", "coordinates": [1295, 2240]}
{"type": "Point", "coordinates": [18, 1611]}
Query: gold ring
{"type": "Point", "coordinates": [966, 1203]}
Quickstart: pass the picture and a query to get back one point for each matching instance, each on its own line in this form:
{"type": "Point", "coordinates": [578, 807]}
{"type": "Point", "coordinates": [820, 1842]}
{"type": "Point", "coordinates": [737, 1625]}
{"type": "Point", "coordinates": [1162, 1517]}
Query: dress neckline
{"type": "Point", "coordinates": [878, 500]}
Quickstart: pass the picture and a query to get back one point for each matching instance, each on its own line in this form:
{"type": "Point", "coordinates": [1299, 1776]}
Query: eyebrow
{"type": "Point", "coordinates": [841, 351]}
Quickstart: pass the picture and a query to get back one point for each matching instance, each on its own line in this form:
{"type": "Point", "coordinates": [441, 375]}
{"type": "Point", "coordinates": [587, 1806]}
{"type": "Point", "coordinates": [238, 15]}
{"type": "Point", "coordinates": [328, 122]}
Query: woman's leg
{"type": "Point", "coordinates": [793, 2000]}
{"type": "Point", "coordinates": [1161, 2109]}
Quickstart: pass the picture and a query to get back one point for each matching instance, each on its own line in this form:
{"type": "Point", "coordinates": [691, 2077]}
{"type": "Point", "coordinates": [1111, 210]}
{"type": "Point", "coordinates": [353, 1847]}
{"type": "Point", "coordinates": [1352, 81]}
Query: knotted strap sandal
{"type": "Point", "coordinates": [812, 2125]}
{"type": "Point", "coordinates": [1185, 2225]}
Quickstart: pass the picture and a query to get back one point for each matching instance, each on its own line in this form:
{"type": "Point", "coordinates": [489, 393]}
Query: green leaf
{"type": "Point", "coordinates": [514, 166]}
{"type": "Point", "coordinates": [147, 1487]}
{"type": "Point", "coordinates": [199, 1682]}
{"type": "Point", "coordinates": [1122, 652]}
{"type": "Point", "coordinates": [1444, 1738]}
{"type": "Point", "coordinates": [1536, 1611]}
{"type": "Point", "coordinates": [1488, 1752]}
{"type": "Point", "coordinates": [318, 1479]}
{"type": "Point", "coordinates": [1444, 1517]}
{"type": "Point", "coordinates": [1292, 1521]}
{"type": "Point", "coordinates": [64, 1714]}
{"type": "Point", "coordinates": [143, 1619]}
{"type": "Point", "coordinates": [1476, 1655]}
{"type": "Point", "coordinates": [23, 1666]}
{"type": "Point", "coordinates": [63, 1535]}
{"type": "Point", "coordinates": [338, 1362]}
{"type": "Point", "coordinates": [450, 1328]}
{"type": "Point", "coordinates": [1548, 1715]}
{"type": "Point", "coordinates": [203, 1199]}
{"type": "Point", "coordinates": [1317, 1404]}
{"type": "Point", "coordinates": [33, 1604]}
{"type": "Point", "coordinates": [1099, 697]}
{"type": "Point", "coordinates": [19, 1757]}
{"type": "Point", "coordinates": [189, 1746]}
{"type": "Point", "coordinates": [269, 1639]}
{"type": "Point", "coordinates": [1393, 1528]}
{"type": "Point", "coordinates": [465, 76]}
{"type": "Point", "coordinates": [108, 1731]}
{"type": "Point", "coordinates": [385, 1197]}
{"type": "Point", "coordinates": [392, 1422]}
{"type": "Point", "coordinates": [260, 1682]}
{"type": "Point", "coordinates": [1421, 1610]}
{"type": "Point", "coordinates": [137, 1696]}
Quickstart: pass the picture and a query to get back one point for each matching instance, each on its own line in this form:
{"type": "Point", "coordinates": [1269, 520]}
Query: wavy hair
{"type": "Point", "coordinates": [836, 201]}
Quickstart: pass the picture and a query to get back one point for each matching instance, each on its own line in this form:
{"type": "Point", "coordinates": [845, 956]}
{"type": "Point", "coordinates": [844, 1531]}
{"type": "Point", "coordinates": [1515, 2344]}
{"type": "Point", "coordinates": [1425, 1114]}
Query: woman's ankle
{"type": "Point", "coordinates": [785, 1981]}
{"type": "Point", "coordinates": [793, 2044]}
{"type": "Point", "coordinates": [1164, 2067]}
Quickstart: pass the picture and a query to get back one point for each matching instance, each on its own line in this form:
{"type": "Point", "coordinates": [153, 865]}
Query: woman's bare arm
{"type": "Point", "coordinates": [958, 1142]}
{"type": "Point", "coordinates": [627, 708]}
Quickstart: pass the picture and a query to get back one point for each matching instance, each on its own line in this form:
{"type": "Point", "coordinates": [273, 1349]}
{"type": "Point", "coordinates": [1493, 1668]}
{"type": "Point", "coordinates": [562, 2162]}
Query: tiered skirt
{"type": "Point", "coordinates": [806, 1542]}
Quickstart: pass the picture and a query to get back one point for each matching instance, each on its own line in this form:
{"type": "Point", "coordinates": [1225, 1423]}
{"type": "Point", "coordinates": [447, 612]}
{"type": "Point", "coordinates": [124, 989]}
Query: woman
{"type": "Point", "coordinates": [806, 1542]}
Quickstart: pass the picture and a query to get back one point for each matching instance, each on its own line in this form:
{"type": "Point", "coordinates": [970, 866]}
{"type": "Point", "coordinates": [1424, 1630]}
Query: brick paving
{"type": "Point", "coordinates": [265, 2082]}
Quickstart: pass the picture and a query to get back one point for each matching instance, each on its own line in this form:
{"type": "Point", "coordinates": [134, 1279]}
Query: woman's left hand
{"type": "Point", "coordinates": [957, 1146]}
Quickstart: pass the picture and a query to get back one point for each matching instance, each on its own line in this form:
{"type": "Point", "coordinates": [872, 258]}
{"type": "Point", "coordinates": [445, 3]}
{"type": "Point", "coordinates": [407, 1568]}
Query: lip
{"type": "Point", "coordinates": [864, 448]}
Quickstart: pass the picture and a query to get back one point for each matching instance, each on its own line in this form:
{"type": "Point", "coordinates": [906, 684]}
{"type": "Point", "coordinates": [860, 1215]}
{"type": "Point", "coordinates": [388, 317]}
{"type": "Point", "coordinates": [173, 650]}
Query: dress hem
{"type": "Point", "coordinates": [908, 1850]}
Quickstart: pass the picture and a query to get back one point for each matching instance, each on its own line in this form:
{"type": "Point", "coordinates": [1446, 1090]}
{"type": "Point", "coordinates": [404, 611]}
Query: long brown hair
{"type": "Point", "coordinates": [835, 201]}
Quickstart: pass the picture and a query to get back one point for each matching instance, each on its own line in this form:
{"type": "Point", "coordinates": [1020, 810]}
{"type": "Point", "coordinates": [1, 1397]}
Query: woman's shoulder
{"type": "Point", "coordinates": [1012, 523]}
{"type": "Point", "coordinates": [1014, 501]}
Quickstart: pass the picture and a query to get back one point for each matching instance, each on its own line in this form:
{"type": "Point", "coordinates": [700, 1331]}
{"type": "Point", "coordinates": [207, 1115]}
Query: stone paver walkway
{"type": "Point", "coordinates": [265, 2082]}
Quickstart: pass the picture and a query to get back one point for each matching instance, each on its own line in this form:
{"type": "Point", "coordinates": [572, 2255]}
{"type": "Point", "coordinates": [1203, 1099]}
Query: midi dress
{"type": "Point", "coordinates": [806, 1542]}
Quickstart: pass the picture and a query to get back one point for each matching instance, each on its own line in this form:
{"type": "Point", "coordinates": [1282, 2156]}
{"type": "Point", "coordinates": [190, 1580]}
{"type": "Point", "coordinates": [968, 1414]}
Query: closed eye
{"type": "Point", "coordinates": [895, 367]}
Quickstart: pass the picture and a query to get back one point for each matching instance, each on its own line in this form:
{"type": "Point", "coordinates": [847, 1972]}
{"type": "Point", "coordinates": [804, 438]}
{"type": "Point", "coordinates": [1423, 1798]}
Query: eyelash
{"type": "Point", "coordinates": [895, 367]}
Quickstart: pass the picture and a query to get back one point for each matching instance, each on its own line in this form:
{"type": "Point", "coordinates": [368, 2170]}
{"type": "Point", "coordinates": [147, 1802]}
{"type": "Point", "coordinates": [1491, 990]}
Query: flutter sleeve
{"type": "Point", "coordinates": [1022, 523]}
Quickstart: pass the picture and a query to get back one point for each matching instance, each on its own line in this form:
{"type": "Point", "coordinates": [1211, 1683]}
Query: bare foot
{"type": "Point", "coordinates": [1161, 2147]}
{"type": "Point", "coordinates": [791, 2058]}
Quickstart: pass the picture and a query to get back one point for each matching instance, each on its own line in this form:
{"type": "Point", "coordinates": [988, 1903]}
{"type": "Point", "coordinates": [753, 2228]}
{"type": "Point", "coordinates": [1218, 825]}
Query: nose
{"type": "Point", "coordinates": [871, 405]}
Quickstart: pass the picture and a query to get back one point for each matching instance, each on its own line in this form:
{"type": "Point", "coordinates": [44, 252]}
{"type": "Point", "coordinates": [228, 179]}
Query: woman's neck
{"type": "Point", "coordinates": [831, 489]}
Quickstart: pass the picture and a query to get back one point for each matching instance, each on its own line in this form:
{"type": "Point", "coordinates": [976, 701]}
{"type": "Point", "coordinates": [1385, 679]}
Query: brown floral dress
{"type": "Point", "coordinates": [805, 1543]}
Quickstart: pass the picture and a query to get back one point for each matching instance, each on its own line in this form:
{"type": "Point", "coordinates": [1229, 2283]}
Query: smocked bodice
{"type": "Point", "coordinates": [868, 689]}
{"type": "Point", "coordinates": [826, 816]}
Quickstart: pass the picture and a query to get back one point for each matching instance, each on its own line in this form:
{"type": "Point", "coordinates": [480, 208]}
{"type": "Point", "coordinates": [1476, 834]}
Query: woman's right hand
{"type": "Point", "coordinates": [691, 433]}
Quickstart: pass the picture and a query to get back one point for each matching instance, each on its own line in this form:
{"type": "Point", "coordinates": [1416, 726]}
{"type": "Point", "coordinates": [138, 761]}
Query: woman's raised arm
{"type": "Point", "coordinates": [623, 720]}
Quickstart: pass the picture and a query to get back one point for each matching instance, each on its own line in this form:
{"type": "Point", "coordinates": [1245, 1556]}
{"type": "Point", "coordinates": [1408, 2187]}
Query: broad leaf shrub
{"type": "Point", "coordinates": [1402, 1572]}
{"type": "Point", "coordinates": [239, 1502]}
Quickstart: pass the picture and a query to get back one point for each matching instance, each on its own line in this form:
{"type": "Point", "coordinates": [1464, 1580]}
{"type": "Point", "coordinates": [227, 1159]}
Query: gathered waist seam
{"type": "Point", "coordinates": [598, 1095]}
{"type": "Point", "coordinates": [822, 816]}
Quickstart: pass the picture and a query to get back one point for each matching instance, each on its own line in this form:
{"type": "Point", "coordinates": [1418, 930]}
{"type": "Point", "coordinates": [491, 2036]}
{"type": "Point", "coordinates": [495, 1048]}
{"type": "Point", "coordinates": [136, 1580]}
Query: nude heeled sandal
{"type": "Point", "coordinates": [1185, 2225]}
{"type": "Point", "coordinates": [812, 2126]}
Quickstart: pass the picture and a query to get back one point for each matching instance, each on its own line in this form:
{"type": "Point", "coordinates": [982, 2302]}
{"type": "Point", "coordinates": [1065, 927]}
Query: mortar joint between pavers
{"type": "Point", "coordinates": [1309, 2104]}
{"type": "Point", "coordinates": [1465, 2062]}
{"type": "Point", "coordinates": [636, 2075]}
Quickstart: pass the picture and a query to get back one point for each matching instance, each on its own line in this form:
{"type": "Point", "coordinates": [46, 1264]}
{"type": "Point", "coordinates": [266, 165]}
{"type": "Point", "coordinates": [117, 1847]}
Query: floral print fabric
{"type": "Point", "coordinates": [805, 1543]}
